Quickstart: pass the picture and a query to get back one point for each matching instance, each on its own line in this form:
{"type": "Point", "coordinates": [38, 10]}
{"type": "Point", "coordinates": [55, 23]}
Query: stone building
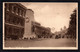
{"type": "Point", "coordinates": [28, 24]}
{"type": "Point", "coordinates": [14, 20]}
{"type": "Point", "coordinates": [40, 31]}
{"type": "Point", "coordinates": [20, 23]}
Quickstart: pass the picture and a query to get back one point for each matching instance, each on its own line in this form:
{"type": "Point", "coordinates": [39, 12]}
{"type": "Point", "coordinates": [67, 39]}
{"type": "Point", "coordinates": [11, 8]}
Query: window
{"type": "Point", "coordinates": [10, 7]}
{"type": "Point", "coordinates": [14, 9]}
{"type": "Point", "coordinates": [11, 18]}
{"type": "Point", "coordinates": [7, 6]}
{"type": "Point", "coordinates": [7, 18]}
{"type": "Point", "coordinates": [24, 14]}
{"type": "Point", "coordinates": [22, 31]}
{"type": "Point", "coordinates": [10, 31]}
{"type": "Point", "coordinates": [18, 11]}
{"type": "Point", "coordinates": [6, 30]}
{"type": "Point", "coordinates": [14, 20]}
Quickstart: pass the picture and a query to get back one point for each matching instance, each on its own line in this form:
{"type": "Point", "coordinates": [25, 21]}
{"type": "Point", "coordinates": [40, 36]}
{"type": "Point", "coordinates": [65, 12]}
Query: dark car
{"type": "Point", "coordinates": [56, 37]}
{"type": "Point", "coordinates": [14, 37]}
{"type": "Point", "coordinates": [63, 36]}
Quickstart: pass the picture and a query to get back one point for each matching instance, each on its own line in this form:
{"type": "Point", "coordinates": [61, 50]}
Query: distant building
{"type": "Point", "coordinates": [14, 20]}
{"type": "Point", "coordinates": [62, 32]}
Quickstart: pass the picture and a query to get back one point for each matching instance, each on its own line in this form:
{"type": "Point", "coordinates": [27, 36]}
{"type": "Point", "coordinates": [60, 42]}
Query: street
{"type": "Point", "coordinates": [41, 43]}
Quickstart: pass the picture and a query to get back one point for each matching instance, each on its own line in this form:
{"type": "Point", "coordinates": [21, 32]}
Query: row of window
{"type": "Point", "coordinates": [9, 30]}
{"type": "Point", "coordinates": [15, 9]}
{"type": "Point", "coordinates": [14, 20]}
{"type": "Point", "coordinates": [40, 30]}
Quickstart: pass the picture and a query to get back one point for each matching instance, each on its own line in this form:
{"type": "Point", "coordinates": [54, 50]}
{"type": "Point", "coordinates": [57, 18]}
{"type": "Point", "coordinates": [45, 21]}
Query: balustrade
{"type": "Point", "coordinates": [14, 9]}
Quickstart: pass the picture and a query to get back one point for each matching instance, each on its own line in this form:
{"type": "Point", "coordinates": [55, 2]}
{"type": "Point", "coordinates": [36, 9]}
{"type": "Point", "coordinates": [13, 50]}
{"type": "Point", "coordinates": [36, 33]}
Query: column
{"type": "Point", "coordinates": [15, 30]}
{"type": "Point", "coordinates": [20, 12]}
{"type": "Point", "coordinates": [10, 19]}
{"type": "Point", "coordinates": [12, 31]}
{"type": "Point", "coordinates": [12, 8]}
{"type": "Point", "coordinates": [7, 18]}
{"type": "Point", "coordinates": [23, 13]}
{"type": "Point", "coordinates": [7, 5]}
{"type": "Point", "coordinates": [16, 20]}
{"type": "Point", "coordinates": [23, 22]}
{"type": "Point", "coordinates": [17, 11]}
{"type": "Point", "coordinates": [6, 31]}
{"type": "Point", "coordinates": [20, 33]}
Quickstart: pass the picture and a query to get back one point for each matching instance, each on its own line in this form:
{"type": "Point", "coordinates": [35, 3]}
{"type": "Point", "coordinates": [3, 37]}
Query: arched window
{"type": "Point", "coordinates": [10, 7]}
{"type": "Point", "coordinates": [7, 18]}
{"type": "Point", "coordinates": [19, 11]}
{"type": "Point", "coordinates": [14, 9]}
{"type": "Point", "coordinates": [10, 19]}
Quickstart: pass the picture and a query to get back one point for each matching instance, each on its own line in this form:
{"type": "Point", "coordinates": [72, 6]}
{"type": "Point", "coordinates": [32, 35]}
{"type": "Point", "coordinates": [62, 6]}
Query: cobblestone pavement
{"type": "Point", "coordinates": [41, 43]}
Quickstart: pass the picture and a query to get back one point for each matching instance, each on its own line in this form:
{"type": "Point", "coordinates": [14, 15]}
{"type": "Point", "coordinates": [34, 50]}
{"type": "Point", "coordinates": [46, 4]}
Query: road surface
{"type": "Point", "coordinates": [41, 43]}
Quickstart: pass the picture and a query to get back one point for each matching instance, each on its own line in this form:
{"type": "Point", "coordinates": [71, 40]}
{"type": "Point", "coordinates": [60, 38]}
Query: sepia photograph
{"type": "Point", "coordinates": [40, 25]}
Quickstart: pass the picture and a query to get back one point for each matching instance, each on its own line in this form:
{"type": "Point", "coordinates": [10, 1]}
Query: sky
{"type": "Point", "coordinates": [53, 15]}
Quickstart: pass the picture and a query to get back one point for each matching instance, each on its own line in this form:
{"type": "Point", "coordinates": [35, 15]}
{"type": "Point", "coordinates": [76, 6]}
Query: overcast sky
{"type": "Point", "coordinates": [51, 15]}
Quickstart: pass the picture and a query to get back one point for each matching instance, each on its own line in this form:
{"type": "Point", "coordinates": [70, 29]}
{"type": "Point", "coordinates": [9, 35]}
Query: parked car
{"type": "Point", "coordinates": [14, 37]}
{"type": "Point", "coordinates": [57, 37]}
{"type": "Point", "coordinates": [63, 36]}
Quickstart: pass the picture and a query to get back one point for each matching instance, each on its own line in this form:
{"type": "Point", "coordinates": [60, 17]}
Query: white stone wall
{"type": "Point", "coordinates": [28, 25]}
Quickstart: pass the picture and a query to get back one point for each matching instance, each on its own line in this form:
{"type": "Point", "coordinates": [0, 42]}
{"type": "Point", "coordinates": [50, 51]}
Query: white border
{"type": "Point", "coordinates": [40, 48]}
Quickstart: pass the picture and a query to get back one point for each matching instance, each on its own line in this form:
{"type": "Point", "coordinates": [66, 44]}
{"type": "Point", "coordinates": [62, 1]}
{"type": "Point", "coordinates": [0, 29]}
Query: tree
{"type": "Point", "coordinates": [72, 25]}
{"type": "Point", "coordinates": [61, 29]}
{"type": "Point", "coordinates": [64, 27]}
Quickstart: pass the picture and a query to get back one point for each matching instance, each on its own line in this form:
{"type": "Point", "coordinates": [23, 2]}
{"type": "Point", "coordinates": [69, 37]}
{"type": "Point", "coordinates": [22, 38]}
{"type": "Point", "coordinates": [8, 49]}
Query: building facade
{"type": "Point", "coordinates": [34, 29]}
{"type": "Point", "coordinates": [40, 31]}
{"type": "Point", "coordinates": [14, 20]}
{"type": "Point", "coordinates": [20, 23]}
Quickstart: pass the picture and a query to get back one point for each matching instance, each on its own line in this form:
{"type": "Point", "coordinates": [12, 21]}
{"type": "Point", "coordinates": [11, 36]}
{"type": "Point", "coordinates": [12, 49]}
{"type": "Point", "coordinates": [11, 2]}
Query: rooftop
{"type": "Point", "coordinates": [31, 10]}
